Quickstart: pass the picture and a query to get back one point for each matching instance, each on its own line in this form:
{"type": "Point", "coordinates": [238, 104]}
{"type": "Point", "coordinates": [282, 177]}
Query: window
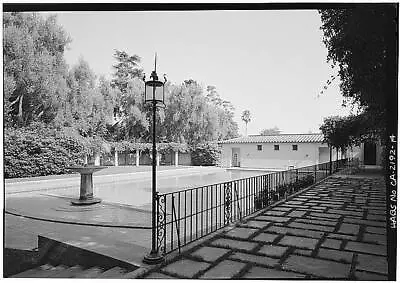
{"type": "Point", "coordinates": [294, 146]}
{"type": "Point", "coordinates": [276, 147]}
{"type": "Point", "coordinates": [259, 147]}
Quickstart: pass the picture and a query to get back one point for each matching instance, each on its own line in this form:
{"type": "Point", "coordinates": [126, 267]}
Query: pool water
{"type": "Point", "coordinates": [137, 193]}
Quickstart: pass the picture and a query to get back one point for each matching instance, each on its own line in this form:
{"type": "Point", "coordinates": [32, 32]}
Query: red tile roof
{"type": "Point", "coordinates": [282, 138]}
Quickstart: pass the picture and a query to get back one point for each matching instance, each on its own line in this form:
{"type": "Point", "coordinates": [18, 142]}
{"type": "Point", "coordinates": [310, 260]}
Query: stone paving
{"type": "Point", "coordinates": [334, 230]}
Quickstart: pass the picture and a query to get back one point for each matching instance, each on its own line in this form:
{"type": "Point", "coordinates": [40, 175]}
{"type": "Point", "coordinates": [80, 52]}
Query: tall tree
{"type": "Point", "coordinates": [133, 120]}
{"type": "Point", "coordinates": [246, 118]}
{"type": "Point", "coordinates": [34, 67]}
{"type": "Point", "coordinates": [361, 41]}
{"type": "Point", "coordinates": [271, 131]}
{"type": "Point", "coordinates": [126, 68]}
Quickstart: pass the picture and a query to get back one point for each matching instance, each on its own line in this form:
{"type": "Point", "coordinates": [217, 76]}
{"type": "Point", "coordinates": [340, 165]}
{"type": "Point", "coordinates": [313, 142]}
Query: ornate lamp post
{"type": "Point", "coordinates": [154, 93]}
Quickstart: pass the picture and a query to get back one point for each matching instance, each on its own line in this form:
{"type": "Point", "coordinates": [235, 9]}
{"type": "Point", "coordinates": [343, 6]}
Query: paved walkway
{"type": "Point", "coordinates": [336, 229]}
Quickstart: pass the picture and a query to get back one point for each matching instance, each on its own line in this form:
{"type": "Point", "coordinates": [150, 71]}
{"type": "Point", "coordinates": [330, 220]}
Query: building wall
{"type": "Point", "coordinates": [306, 154]}
{"type": "Point", "coordinates": [359, 153]}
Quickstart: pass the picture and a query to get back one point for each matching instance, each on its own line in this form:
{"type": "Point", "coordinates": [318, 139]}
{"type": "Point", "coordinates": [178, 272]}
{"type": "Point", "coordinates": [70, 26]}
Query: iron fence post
{"type": "Point", "coordinates": [315, 173]}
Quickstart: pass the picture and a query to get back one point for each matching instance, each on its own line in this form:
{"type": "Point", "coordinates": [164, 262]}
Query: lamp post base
{"type": "Point", "coordinates": [85, 201]}
{"type": "Point", "coordinates": [153, 258]}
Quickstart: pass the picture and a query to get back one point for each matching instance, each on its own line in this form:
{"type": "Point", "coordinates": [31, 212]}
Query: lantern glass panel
{"type": "Point", "coordinates": [159, 95]}
{"type": "Point", "coordinates": [149, 93]}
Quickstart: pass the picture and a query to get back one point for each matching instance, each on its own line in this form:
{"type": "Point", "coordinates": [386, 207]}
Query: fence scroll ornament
{"type": "Point", "coordinates": [161, 226]}
{"type": "Point", "coordinates": [228, 197]}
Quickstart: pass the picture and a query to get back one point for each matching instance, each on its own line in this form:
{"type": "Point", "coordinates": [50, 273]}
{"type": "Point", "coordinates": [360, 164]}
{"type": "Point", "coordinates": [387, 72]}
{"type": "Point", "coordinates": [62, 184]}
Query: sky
{"type": "Point", "coordinates": [272, 63]}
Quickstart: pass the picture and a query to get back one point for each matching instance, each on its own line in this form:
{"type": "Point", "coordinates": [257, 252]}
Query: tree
{"type": "Point", "coordinates": [271, 131]}
{"type": "Point", "coordinates": [126, 68]}
{"type": "Point", "coordinates": [228, 128]}
{"type": "Point", "coordinates": [361, 41]}
{"type": "Point", "coordinates": [246, 118]}
{"type": "Point", "coordinates": [129, 106]}
{"type": "Point", "coordinates": [34, 68]}
{"type": "Point", "coordinates": [343, 132]}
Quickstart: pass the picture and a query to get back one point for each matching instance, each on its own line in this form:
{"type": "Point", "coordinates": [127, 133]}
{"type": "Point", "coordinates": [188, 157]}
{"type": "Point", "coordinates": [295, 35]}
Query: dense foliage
{"type": "Point", "coordinates": [35, 152]}
{"type": "Point", "coordinates": [361, 42]}
{"type": "Point", "coordinates": [72, 102]}
{"type": "Point", "coordinates": [205, 154]}
{"type": "Point", "coordinates": [34, 68]}
{"type": "Point", "coordinates": [272, 131]}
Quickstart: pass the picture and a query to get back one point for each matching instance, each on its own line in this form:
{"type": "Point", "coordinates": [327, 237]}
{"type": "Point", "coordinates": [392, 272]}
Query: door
{"type": "Point", "coordinates": [370, 153]}
{"type": "Point", "coordinates": [235, 157]}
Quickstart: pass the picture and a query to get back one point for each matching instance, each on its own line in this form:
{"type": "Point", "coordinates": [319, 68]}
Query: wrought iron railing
{"type": "Point", "coordinates": [188, 215]}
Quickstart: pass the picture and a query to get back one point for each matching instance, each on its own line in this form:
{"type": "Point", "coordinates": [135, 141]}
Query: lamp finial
{"type": "Point", "coordinates": [155, 62]}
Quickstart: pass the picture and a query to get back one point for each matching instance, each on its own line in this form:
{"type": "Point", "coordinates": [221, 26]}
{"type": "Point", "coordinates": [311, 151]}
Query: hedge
{"type": "Point", "coordinates": [28, 153]}
{"type": "Point", "coordinates": [205, 154]}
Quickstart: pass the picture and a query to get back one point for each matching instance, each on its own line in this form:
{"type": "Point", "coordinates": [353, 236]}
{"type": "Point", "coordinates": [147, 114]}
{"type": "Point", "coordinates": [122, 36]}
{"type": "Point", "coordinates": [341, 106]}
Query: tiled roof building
{"type": "Point", "coordinates": [283, 138]}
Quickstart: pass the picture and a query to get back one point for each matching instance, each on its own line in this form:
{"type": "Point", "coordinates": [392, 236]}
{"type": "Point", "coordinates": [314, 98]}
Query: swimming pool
{"type": "Point", "coordinates": [136, 192]}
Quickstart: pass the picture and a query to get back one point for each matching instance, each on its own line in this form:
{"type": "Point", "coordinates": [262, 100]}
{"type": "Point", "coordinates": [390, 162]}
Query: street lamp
{"type": "Point", "coordinates": [154, 93]}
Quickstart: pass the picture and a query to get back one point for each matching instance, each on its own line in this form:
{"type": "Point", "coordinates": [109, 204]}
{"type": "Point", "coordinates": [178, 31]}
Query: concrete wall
{"type": "Point", "coordinates": [249, 156]}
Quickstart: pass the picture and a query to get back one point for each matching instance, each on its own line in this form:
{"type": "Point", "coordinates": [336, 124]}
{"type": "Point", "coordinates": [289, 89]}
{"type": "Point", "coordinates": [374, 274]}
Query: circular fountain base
{"type": "Point", "coordinates": [85, 201]}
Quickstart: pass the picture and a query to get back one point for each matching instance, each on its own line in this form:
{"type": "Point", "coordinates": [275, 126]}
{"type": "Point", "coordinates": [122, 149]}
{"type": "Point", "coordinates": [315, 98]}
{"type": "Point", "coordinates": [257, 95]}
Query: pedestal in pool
{"type": "Point", "coordinates": [86, 189]}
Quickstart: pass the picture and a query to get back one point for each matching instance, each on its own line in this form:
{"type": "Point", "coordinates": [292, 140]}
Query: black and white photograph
{"type": "Point", "coordinates": [200, 140]}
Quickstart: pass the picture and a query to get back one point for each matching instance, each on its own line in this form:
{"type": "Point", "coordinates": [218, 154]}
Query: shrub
{"type": "Point", "coordinates": [31, 152]}
{"type": "Point", "coordinates": [205, 154]}
{"type": "Point", "coordinates": [262, 198]}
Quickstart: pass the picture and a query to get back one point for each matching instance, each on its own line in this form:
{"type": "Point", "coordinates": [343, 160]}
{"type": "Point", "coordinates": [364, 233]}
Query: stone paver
{"type": "Point", "coordinates": [311, 227]}
{"type": "Point", "coordinates": [209, 253]}
{"type": "Point", "coordinates": [317, 267]}
{"type": "Point", "coordinates": [366, 222]}
{"type": "Point", "coordinates": [376, 230]}
{"type": "Point", "coordinates": [275, 213]}
{"type": "Point", "coordinates": [295, 231]}
{"type": "Point", "coordinates": [297, 213]}
{"type": "Point", "coordinates": [372, 263]}
{"type": "Point", "coordinates": [256, 224]}
{"type": "Point", "coordinates": [265, 237]}
{"type": "Point", "coordinates": [335, 255]}
{"type": "Point", "coordinates": [299, 242]}
{"type": "Point", "coordinates": [224, 270]}
{"type": "Point", "coordinates": [346, 228]}
{"type": "Point", "coordinates": [331, 243]}
{"type": "Point", "coordinates": [369, 276]}
{"type": "Point", "coordinates": [272, 218]}
{"type": "Point", "coordinates": [375, 238]}
{"type": "Point", "coordinates": [325, 215]}
{"type": "Point", "coordinates": [302, 252]}
{"type": "Point", "coordinates": [366, 248]}
{"type": "Point", "coordinates": [275, 251]}
{"type": "Point", "coordinates": [317, 222]}
{"type": "Point", "coordinates": [263, 260]}
{"type": "Point", "coordinates": [234, 244]}
{"type": "Point", "coordinates": [185, 268]}
{"type": "Point", "coordinates": [243, 233]}
{"type": "Point", "coordinates": [342, 236]}
{"type": "Point", "coordinates": [263, 273]}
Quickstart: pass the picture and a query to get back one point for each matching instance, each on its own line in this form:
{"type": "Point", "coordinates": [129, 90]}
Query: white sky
{"type": "Point", "coordinates": [272, 63]}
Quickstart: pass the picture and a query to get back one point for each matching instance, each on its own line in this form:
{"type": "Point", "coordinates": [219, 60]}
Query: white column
{"type": "Point", "coordinates": [176, 158]}
{"type": "Point", "coordinates": [115, 158]}
{"type": "Point", "coordinates": [97, 158]}
{"type": "Point", "coordinates": [158, 159]}
{"type": "Point", "coordinates": [137, 157]}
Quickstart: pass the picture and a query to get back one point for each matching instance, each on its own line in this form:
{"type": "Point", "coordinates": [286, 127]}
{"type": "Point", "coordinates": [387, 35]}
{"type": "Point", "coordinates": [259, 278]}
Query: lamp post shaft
{"type": "Point", "coordinates": [154, 188]}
